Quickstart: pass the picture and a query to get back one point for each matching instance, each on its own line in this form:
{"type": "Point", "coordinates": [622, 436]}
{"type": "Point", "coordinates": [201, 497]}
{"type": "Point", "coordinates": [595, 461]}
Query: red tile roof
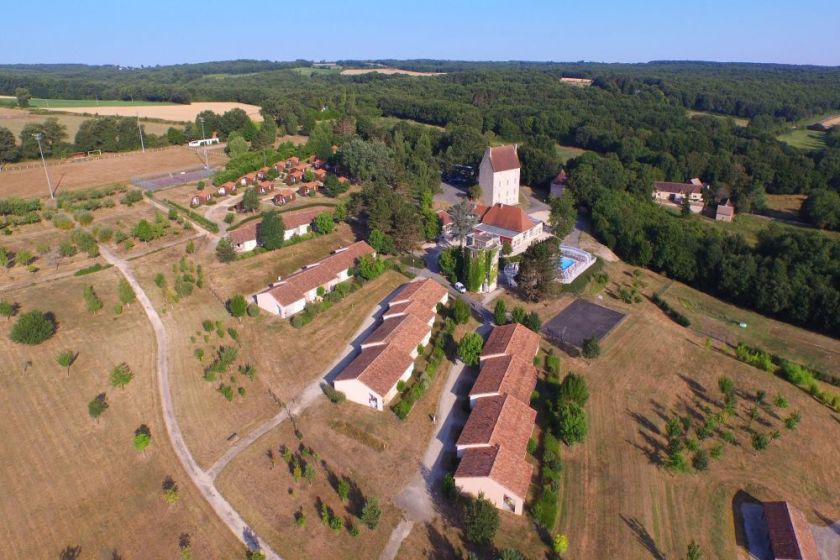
{"type": "Point", "coordinates": [499, 463]}
{"type": "Point", "coordinates": [301, 217]}
{"type": "Point", "coordinates": [405, 333]}
{"type": "Point", "coordinates": [247, 232]}
{"type": "Point", "coordinates": [294, 287]}
{"type": "Point", "coordinates": [512, 218]}
{"type": "Point", "coordinates": [507, 374]}
{"type": "Point", "coordinates": [790, 533]}
{"type": "Point", "coordinates": [378, 367]}
{"type": "Point", "coordinates": [503, 158]}
{"type": "Point", "coordinates": [512, 339]}
{"type": "Point", "coordinates": [501, 420]}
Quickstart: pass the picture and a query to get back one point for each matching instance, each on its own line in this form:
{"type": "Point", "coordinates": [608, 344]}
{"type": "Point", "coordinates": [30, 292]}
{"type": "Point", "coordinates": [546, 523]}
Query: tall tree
{"type": "Point", "coordinates": [8, 149]}
{"type": "Point", "coordinates": [563, 215]}
{"type": "Point", "coordinates": [23, 96]}
{"type": "Point", "coordinates": [537, 269]}
{"type": "Point", "coordinates": [272, 231]}
{"type": "Point", "coordinates": [463, 220]}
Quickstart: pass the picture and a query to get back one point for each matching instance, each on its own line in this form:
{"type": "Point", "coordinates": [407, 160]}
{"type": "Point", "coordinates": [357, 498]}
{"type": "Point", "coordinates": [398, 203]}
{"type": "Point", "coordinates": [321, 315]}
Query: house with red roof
{"type": "Point", "coordinates": [493, 444]}
{"type": "Point", "coordinates": [789, 532]}
{"type": "Point", "coordinates": [284, 197]}
{"type": "Point", "coordinates": [290, 295]}
{"type": "Point", "coordinates": [201, 197]}
{"type": "Point", "coordinates": [388, 353]}
{"type": "Point", "coordinates": [498, 175]}
{"type": "Point", "coordinates": [512, 225]}
{"type": "Point", "coordinates": [226, 188]}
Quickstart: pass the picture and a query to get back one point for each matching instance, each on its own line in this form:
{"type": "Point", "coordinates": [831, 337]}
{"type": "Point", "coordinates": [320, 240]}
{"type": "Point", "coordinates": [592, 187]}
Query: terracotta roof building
{"type": "Point", "coordinates": [790, 534]}
{"type": "Point", "coordinates": [498, 175]}
{"type": "Point", "coordinates": [290, 295]}
{"type": "Point", "coordinates": [245, 237]}
{"type": "Point", "coordinates": [493, 443]}
{"type": "Point", "coordinates": [388, 353]}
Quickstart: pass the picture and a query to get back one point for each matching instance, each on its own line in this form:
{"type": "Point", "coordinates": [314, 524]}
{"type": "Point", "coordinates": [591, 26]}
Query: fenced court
{"type": "Point", "coordinates": [173, 179]}
{"type": "Point", "coordinates": [579, 321]}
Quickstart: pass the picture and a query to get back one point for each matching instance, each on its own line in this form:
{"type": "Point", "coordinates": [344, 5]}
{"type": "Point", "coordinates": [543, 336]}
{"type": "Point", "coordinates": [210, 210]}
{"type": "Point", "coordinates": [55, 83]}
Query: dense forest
{"type": "Point", "coordinates": [632, 121]}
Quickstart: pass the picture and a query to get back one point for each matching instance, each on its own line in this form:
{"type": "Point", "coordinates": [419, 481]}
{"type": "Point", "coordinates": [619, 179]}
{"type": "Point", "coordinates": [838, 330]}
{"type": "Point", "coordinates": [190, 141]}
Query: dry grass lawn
{"type": "Point", "coordinates": [70, 481]}
{"type": "Point", "coordinates": [784, 206]}
{"type": "Point", "coordinates": [286, 359]}
{"type": "Point", "coordinates": [16, 119]}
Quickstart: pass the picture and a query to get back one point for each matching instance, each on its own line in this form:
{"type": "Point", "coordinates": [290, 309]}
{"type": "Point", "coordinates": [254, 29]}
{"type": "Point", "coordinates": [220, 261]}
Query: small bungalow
{"type": "Point", "coordinates": [294, 176]}
{"type": "Point", "coordinates": [725, 211]}
{"type": "Point", "coordinates": [261, 172]}
{"type": "Point", "coordinates": [245, 238]}
{"type": "Point", "coordinates": [265, 186]}
{"type": "Point", "coordinates": [247, 179]}
{"type": "Point", "coordinates": [226, 189]}
{"type": "Point", "coordinates": [292, 161]}
{"type": "Point", "coordinates": [284, 197]}
{"type": "Point", "coordinates": [320, 174]}
{"type": "Point", "coordinates": [308, 189]}
{"type": "Point", "coordinates": [201, 197]}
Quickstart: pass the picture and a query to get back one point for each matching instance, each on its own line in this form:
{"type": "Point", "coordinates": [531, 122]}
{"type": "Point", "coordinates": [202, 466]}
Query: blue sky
{"type": "Point", "coordinates": [173, 31]}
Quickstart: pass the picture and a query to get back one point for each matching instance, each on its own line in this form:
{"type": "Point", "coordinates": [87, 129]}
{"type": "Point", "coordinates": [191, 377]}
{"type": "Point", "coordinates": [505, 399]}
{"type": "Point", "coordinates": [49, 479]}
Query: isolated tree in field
{"type": "Point", "coordinates": [8, 148]}
{"type": "Point", "coordinates": [727, 387]}
{"type": "Point", "coordinates": [92, 301]}
{"type": "Point", "coordinates": [66, 359]}
{"type": "Point", "coordinates": [33, 327]}
{"type": "Point", "coordinates": [760, 441]}
{"type": "Point", "coordinates": [144, 231]}
{"type": "Point", "coordinates": [591, 348]}
{"type": "Point", "coordinates": [371, 513]}
{"type": "Point", "coordinates": [324, 223]}
{"type": "Point", "coordinates": [170, 490]}
{"type": "Point", "coordinates": [693, 552]}
{"type": "Point", "coordinates": [463, 220]}
{"type": "Point", "coordinates": [97, 406]}
{"type": "Point", "coordinates": [460, 311]}
{"type": "Point", "coordinates": [560, 544]}
{"type": "Point", "coordinates": [225, 251]}
{"type": "Point", "coordinates": [142, 437]}
{"type": "Point", "coordinates": [23, 96]}
{"type": "Point", "coordinates": [8, 309]}
{"type": "Point", "coordinates": [572, 423]}
{"type": "Point", "coordinates": [126, 292]}
{"type": "Point", "coordinates": [481, 520]}
{"type": "Point", "coordinates": [573, 389]}
{"type": "Point", "coordinates": [272, 231]}
{"type": "Point", "coordinates": [469, 349]}
{"type": "Point", "coordinates": [237, 306]}
{"type": "Point", "coordinates": [121, 375]}
{"type": "Point", "coordinates": [500, 312]}
{"type": "Point", "coordinates": [250, 200]}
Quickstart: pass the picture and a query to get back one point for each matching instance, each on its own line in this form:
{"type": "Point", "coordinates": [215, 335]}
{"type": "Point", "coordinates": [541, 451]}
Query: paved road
{"type": "Point", "coordinates": [202, 481]}
{"type": "Point", "coordinates": [310, 393]}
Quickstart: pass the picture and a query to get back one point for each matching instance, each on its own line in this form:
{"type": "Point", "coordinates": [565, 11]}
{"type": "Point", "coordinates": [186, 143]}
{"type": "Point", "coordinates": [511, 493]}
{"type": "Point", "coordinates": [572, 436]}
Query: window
{"type": "Point", "coordinates": [509, 503]}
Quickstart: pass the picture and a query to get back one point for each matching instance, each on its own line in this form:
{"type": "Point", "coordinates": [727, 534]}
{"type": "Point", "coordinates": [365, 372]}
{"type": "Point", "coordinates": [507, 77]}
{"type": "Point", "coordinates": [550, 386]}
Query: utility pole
{"type": "Point", "coordinates": [38, 136]}
{"type": "Point", "coordinates": [204, 137]}
{"type": "Point", "coordinates": [142, 144]}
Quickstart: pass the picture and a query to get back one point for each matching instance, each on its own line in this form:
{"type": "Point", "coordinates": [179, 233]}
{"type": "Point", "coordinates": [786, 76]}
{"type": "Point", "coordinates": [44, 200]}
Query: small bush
{"type": "Point", "coordinates": [33, 327]}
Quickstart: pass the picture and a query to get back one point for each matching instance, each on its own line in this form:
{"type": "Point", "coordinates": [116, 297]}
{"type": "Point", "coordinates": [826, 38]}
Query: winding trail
{"type": "Point", "coordinates": [200, 478]}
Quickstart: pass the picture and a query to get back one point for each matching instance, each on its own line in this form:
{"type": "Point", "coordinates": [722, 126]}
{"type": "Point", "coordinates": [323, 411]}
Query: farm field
{"type": "Point", "coordinates": [84, 484]}
{"type": "Point", "coordinates": [804, 139]}
{"type": "Point", "coordinates": [111, 168]}
{"type": "Point", "coordinates": [360, 71]}
{"type": "Point", "coordinates": [650, 369]}
{"type": "Point", "coordinates": [286, 359]}
{"type": "Point", "coordinates": [740, 121]}
{"type": "Point", "coordinates": [16, 119]}
{"type": "Point", "coordinates": [39, 103]}
{"type": "Point", "coordinates": [176, 113]}
{"type": "Point", "coordinates": [784, 206]}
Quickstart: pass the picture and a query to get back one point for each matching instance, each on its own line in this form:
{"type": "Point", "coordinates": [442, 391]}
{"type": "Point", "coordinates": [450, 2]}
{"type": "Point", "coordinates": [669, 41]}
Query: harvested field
{"type": "Point", "coordinates": [109, 168]}
{"type": "Point", "coordinates": [72, 481]}
{"type": "Point", "coordinates": [784, 206]}
{"type": "Point", "coordinates": [176, 113]}
{"type": "Point", "coordinates": [16, 119]}
{"type": "Point", "coordinates": [389, 71]}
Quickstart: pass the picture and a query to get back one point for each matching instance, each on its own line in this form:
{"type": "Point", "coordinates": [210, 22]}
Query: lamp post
{"type": "Point", "coordinates": [142, 144]}
{"type": "Point", "coordinates": [204, 137]}
{"type": "Point", "coordinates": [38, 136]}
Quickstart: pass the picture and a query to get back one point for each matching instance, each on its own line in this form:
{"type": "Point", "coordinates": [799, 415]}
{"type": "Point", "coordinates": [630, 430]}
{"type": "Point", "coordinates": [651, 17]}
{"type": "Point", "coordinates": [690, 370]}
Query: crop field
{"type": "Point", "coordinates": [176, 113]}
{"type": "Point", "coordinates": [286, 359]}
{"type": "Point", "coordinates": [39, 103]}
{"type": "Point", "coordinates": [388, 71]}
{"type": "Point", "coordinates": [16, 119]}
{"type": "Point", "coordinates": [109, 168]}
{"type": "Point", "coordinates": [650, 370]}
{"type": "Point", "coordinates": [70, 481]}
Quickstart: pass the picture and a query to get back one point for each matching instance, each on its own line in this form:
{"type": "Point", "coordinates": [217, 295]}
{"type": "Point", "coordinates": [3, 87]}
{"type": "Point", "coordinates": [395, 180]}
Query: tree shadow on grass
{"type": "Point", "coordinates": [830, 523]}
{"type": "Point", "coordinates": [70, 553]}
{"type": "Point", "coordinates": [644, 422]}
{"type": "Point", "coordinates": [643, 537]}
{"type": "Point", "coordinates": [441, 547]}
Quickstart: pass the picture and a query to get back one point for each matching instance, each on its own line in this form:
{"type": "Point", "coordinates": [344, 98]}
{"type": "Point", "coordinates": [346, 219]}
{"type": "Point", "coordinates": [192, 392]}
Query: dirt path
{"type": "Point", "coordinates": [305, 398]}
{"type": "Point", "coordinates": [201, 479]}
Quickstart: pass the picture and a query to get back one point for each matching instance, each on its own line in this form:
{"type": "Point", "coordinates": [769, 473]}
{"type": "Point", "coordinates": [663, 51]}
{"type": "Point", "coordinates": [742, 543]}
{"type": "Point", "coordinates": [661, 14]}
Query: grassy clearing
{"type": "Point", "coordinates": [784, 206]}
{"type": "Point", "coordinates": [16, 119]}
{"type": "Point", "coordinates": [804, 139]}
{"type": "Point", "coordinates": [310, 71]}
{"type": "Point", "coordinates": [390, 122]}
{"type": "Point", "coordinates": [740, 121]}
{"type": "Point", "coordinates": [568, 152]}
{"type": "Point", "coordinates": [70, 481]}
{"type": "Point", "coordinates": [749, 225]}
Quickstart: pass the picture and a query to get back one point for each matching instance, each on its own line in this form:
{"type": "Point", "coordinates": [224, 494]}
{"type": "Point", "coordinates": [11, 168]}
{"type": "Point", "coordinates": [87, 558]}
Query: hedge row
{"type": "Point", "coordinates": [194, 216]}
{"type": "Point", "coordinates": [675, 315]}
{"type": "Point", "coordinates": [420, 381]}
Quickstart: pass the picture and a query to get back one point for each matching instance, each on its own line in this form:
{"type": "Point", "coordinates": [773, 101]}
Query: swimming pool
{"type": "Point", "coordinates": [566, 263]}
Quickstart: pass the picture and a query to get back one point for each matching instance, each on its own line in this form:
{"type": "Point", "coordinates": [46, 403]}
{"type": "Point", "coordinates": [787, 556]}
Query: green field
{"type": "Point", "coordinates": [37, 103]}
{"type": "Point", "coordinates": [804, 139]}
{"type": "Point", "coordinates": [309, 71]}
{"type": "Point", "coordinates": [568, 152]}
{"type": "Point", "coordinates": [740, 121]}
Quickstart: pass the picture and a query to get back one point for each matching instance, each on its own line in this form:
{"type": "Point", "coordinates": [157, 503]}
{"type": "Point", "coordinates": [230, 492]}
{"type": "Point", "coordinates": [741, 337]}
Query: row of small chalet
{"type": "Point", "coordinates": [290, 295]}
{"type": "Point", "coordinates": [509, 223]}
{"type": "Point", "coordinates": [388, 353]}
{"type": "Point", "coordinates": [247, 237]}
{"type": "Point", "coordinates": [493, 444]}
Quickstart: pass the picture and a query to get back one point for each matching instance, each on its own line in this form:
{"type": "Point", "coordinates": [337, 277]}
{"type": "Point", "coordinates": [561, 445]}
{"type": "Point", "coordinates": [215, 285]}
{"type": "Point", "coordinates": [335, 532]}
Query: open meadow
{"type": "Point", "coordinates": [165, 112]}
{"type": "Point", "coordinates": [16, 119]}
{"type": "Point", "coordinates": [70, 480]}
{"type": "Point", "coordinates": [387, 71]}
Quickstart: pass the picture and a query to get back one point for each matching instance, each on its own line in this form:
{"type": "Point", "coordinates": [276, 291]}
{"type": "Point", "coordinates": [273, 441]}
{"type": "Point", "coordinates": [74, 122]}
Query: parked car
{"type": "Point", "coordinates": [460, 288]}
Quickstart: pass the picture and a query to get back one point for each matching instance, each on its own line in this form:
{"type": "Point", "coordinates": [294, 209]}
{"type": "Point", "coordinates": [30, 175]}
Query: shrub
{"type": "Point", "coordinates": [591, 348]}
{"type": "Point", "coordinates": [371, 513]}
{"type": "Point", "coordinates": [98, 405]}
{"type": "Point", "coordinates": [460, 311]}
{"type": "Point", "coordinates": [469, 349]}
{"type": "Point", "coordinates": [253, 310]}
{"type": "Point", "coordinates": [33, 327]}
{"type": "Point", "coordinates": [552, 364]}
{"type": "Point", "coordinates": [700, 461]}
{"type": "Point", "coordinates": [481, 520]}
{"type": "Point", "coordinates": [121, 375]}
{"type": "Point", "coordinates": [448, 487]}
